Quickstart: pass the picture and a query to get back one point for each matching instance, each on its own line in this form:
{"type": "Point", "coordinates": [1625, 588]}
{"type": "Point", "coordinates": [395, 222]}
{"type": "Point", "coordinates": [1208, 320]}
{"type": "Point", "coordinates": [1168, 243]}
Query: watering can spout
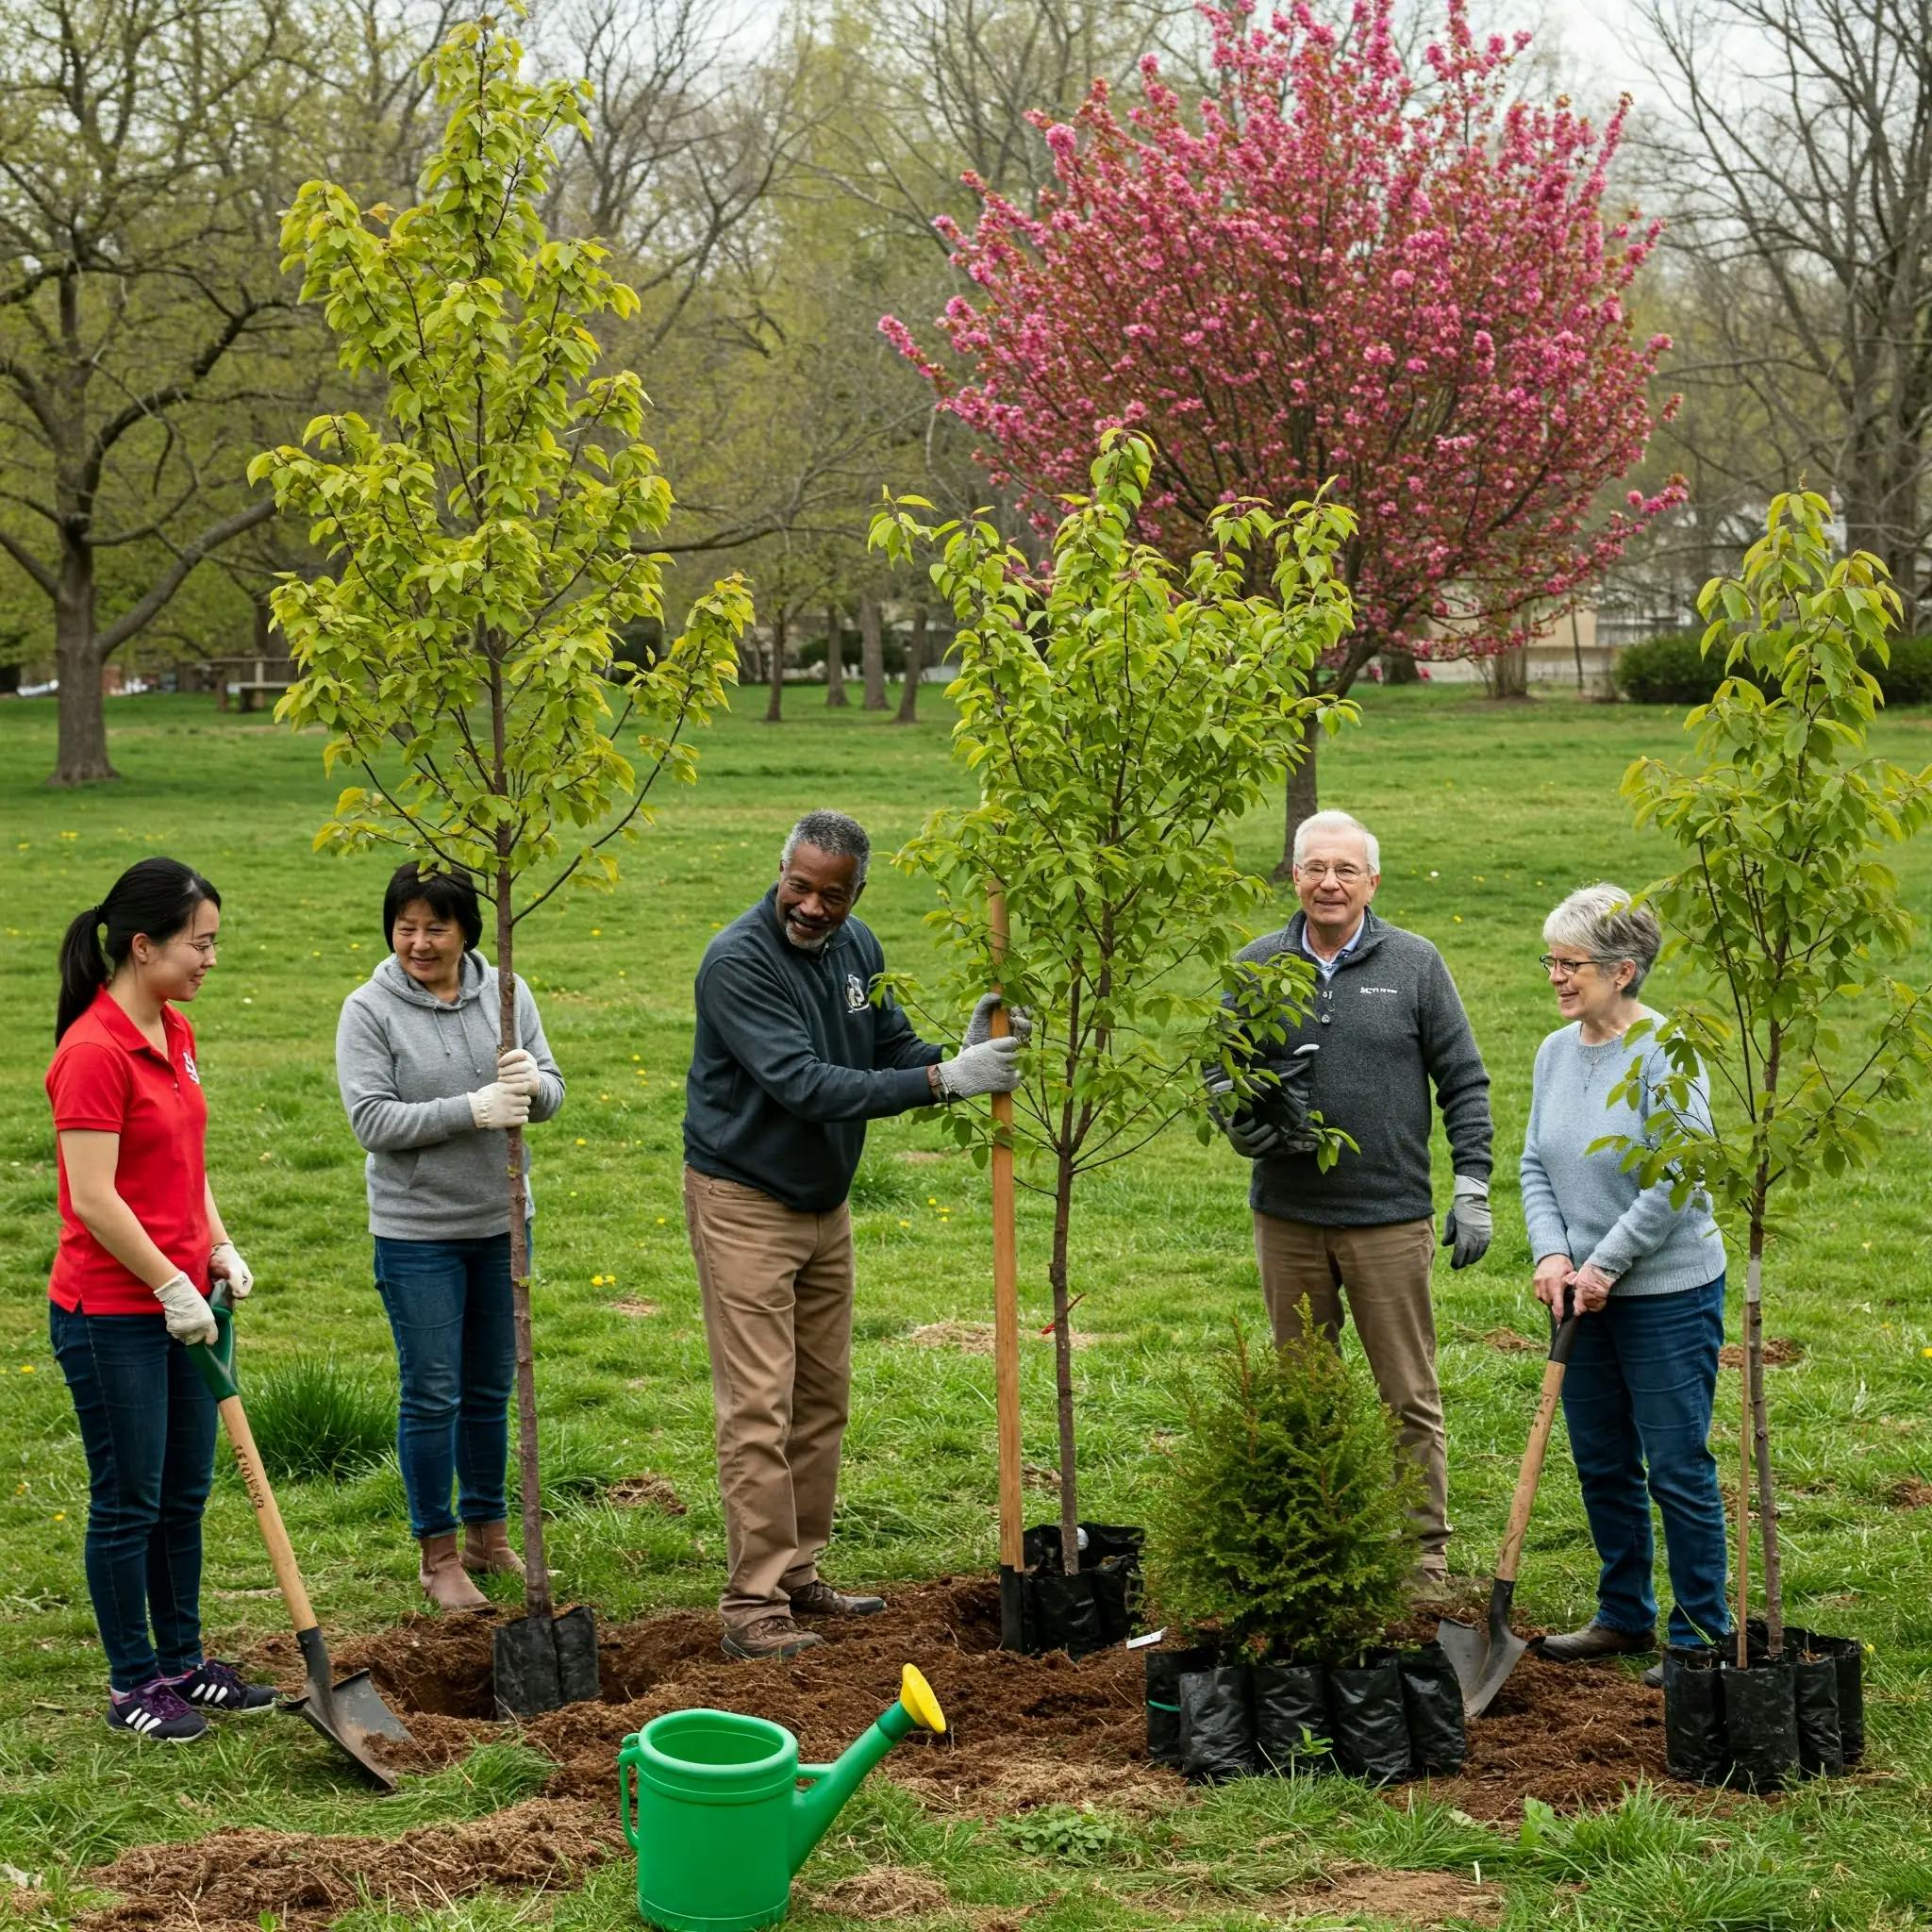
{"type": "Point", "coordinates": [821, 1801]}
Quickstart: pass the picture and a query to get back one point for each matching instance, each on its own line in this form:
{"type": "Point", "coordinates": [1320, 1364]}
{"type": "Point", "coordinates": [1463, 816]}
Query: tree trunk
{"type": "Point", "coordinates": [1063, 1373]}
{"type": "Point", "coordinates": [915, 665]}
{"type": "Point", "coordinates": [1399, 667]}
{"type": "Point", "coordinates": [1302, 797]}
{"type": "Point", "coordinates": [774, 709]}
{"type": "Point", "coordinates": [834, 657]}
{"type": "Point", "coordinates": [1761, 1443]}
{"type": "Point", "coordinates": [871, 654]}
{"type": "Point", "coordinates": [81, 718]}
{"type": "Point", "coordinates": [1508, 673]}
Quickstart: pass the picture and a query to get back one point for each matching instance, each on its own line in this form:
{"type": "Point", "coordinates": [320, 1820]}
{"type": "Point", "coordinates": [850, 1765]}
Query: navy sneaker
{"type": "Point", "coordinates": [216, 1686]}
{"type": "Point", "coordinates": [155, 1712]}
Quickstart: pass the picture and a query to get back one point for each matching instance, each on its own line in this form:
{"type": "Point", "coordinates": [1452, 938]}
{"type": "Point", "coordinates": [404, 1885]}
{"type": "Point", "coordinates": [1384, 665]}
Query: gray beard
{"type": "Point", "coordinates": [803, 945]}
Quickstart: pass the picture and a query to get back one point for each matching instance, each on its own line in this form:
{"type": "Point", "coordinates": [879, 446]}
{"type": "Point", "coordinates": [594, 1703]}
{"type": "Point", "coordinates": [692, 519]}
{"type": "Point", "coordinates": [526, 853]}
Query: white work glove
{"type": "Point", "coordinates": [498, 1105]}
{"type": "Point", "coordinates": [980, 1028]}
{"type": "Point", "coordinates": [517, 1070]}
{"type": "Point", "coordinates": [1467, 1225]}
{"type": "Point", "coordinates": [992, 1066]}
{"type": "Point", "coordinates": [225, 1264]}
{"type": "Point", "coordinates": [186, 1311]}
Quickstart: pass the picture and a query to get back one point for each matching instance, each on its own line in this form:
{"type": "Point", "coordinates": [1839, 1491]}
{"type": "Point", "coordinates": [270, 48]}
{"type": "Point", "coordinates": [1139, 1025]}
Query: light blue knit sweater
{"type": "Point", "coordinates": [1584, 1204]}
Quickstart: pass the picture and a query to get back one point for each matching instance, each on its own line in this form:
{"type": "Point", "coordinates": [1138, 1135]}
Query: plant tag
{"type": "Point", "coordinates": [1142, 1642]}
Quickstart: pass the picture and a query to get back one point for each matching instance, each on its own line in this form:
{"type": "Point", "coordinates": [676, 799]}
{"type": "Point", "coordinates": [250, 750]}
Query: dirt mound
{"type": "Point", "coordinates": [1022, 1732]}
{"type": "Point", "coordinates": [231, 1879]}
{"type": "Point", "coordinates": [1509, 1343]}
{"type": "Point", "coordinates": [1908, 1493]}
{"type": "Point", "coordinates": [1421, 1900]}
{"type": "Point", "coordinates": [1779, 1353]}
{"type": "Point", "coordinates": [645, 1491]}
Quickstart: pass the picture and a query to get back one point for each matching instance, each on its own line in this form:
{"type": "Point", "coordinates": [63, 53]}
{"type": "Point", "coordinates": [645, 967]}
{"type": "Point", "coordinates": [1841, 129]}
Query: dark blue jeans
{"type": "Point", "coordinates": [147, 1423]}
{"type": "Point", "coordinates": [1637, 1398]}
{"type": "Point", "coordinates": [449, 1308]}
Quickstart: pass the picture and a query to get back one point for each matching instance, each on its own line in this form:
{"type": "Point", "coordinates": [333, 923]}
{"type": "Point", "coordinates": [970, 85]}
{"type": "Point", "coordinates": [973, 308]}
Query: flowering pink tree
{"type": "Point", "coordinates": [1336, 270]}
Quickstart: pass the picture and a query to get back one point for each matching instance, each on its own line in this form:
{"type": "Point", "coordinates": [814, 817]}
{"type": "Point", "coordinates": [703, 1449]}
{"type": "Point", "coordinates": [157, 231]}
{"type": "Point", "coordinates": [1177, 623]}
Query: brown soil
{"type": "Point", "coordinates": [636, 1308]}
{"type": "Point", "coordinates": [645, 1491]}
{"type": "Point", "coordinates": [975, 1337]}
{"type": "Point", "coordinates": [1510, 1342]}
{"type": "Point", "coordinates": [1023, 1732]}
{"type": "Point", "coordinates": [1908, 1493]}
{"type": "Point", "coordinates": [1419, 1900]}
{"type": "Point", "coordinates": [1779, 1353]}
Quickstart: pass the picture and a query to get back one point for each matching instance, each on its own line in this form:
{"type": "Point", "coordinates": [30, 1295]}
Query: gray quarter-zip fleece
{"type": "Point", "coordinates": [1389, 1026]}
{"type": "Point", "coordinates": [407, 1063]}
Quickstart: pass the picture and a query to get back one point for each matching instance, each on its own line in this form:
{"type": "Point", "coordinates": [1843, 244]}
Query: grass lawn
{"type": "Point", "coordinates": [1487, 814]}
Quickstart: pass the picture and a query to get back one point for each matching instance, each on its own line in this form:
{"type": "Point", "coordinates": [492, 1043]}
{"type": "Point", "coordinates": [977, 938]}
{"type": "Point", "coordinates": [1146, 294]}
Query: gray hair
{"type": "Point", "coordinates": [1601, 921]}
{"type": "Point", "coordinates": [833, 832]}
{"type": "Point", "coordinates": [1317, 823]}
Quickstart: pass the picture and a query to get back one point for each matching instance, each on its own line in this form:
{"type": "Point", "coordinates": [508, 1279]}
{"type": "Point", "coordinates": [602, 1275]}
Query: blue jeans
{"type": "Point", "coordinates": [1637, 1398]}
{"type": "Point", "coordinates": [449, 1307]}
{"type": "Point", "coordinates": [147, 1423]}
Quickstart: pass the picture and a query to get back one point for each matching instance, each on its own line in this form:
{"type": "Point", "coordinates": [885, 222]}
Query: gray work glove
{"type": "Point", "coordinates": [1274, 1121]}
{"type": "Point", "coordinates": [990, 1066]}
{"type": "Point", "coordinates": [499, 1105]}
{"type": "Point", "coordinates": [225, 1264]}
{"type": "Point", "coordinates": [186, 1311]}
{"type": "Point", "coordinates": [980, 1028]}
{"type": "Point", "coordinates": [1466, 1229]}
{"type": "Point", "coordinates": [1249, 1137]}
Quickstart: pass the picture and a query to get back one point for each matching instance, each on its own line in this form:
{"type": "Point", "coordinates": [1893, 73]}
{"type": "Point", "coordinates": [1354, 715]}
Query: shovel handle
{"type": "Point", "coordinates": [1531, 1473]}
{"type": "Point", "coordinates": [267, 1516]}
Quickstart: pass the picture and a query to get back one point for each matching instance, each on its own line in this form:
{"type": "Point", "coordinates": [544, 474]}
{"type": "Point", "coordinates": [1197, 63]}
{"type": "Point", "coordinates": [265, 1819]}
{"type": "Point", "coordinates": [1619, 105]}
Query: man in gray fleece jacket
{"type": "Point", "coordinates": [1384, 1026]}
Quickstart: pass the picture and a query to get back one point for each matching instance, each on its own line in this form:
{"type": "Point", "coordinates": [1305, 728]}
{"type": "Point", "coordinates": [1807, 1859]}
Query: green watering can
{"type": "Point", "coordinates": [714, 1807]}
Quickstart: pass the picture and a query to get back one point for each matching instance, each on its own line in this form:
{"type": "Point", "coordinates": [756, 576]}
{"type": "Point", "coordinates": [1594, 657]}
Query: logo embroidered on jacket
{"type": "Point", "coordinates": [1392, 991]}
{"type": "Point", "coordinates": [188, 1066]}
{"type": "Point", "coordinates": [855, 993]}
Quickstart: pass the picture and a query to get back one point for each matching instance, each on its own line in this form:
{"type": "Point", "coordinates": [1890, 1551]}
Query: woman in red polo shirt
{"type": "Point", "coordinates": [139, 1242]}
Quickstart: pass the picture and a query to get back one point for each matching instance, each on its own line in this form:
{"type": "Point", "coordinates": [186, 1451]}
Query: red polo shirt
{"type": "Point", "coordinates": [106, 1079]}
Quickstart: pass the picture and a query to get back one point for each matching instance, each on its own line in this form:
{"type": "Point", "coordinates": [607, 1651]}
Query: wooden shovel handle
{"type": "Point", "coordinates": [1005, 1280]}
{"type": "Point", "coordinates": [255, 1480]}
{"type": "Point", "coordinates": [1531, 1471]}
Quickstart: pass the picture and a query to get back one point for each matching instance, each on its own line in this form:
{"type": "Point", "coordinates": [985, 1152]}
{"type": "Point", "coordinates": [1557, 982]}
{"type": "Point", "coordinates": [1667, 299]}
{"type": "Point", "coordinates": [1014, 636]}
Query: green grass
{"type": "Point", "coordinates": [1487, 814]}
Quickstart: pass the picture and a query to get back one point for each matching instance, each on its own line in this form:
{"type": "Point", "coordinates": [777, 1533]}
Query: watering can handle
{"type": "Point", "coordinates": [810, 1773]}
{"type": "Point", "coordinates": [628, 1800]}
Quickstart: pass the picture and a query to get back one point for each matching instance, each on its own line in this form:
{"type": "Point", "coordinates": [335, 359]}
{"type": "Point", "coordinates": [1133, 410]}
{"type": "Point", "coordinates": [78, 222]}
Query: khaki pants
{"type": "Point", "coordinates": [776, 1285]}
{"type": "Point", "coordinates": [1384, 1273]}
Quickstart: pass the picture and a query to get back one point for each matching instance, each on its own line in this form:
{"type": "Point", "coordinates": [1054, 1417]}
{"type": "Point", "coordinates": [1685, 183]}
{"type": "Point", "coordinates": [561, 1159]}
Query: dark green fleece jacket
{"type": "Point", "coordinates": [792, 1058]}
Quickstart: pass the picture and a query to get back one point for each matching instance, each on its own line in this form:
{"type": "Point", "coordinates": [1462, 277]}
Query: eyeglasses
{"type": "Point", "coordinates": [1564, 969]}
{"type": "Point", "coordinates": [1343, 874]}
{"type": "Point", "coordinates": [205, 947]}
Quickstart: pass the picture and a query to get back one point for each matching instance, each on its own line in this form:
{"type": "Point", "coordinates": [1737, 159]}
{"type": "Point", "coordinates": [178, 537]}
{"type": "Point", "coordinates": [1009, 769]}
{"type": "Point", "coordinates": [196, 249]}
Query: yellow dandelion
{"type": "Point", "coordinates": [907, 1223]}
{"type": "Point", "coordinates": [59, 1516]}
{"type": "Point", "coordinates": [1926, 1353]}
{"type": "Point", "coordinates": [26, 1368]}
{"type": "Point", "coordinates": [581, 1141]}
{"type": "Point", "coordinates": [597, 1281]}
{"type": "Point", "coordinates": [596, 932]}
{"type": "Point", "coordinates": [1456, 917]}
{"type": "Point", "coordinates": [664, 1218]}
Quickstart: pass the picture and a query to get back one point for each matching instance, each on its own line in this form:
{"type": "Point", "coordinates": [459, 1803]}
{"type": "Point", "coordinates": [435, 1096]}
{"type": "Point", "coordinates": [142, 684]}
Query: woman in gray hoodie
{"type": "Point", "coordinates": [430, 1097]}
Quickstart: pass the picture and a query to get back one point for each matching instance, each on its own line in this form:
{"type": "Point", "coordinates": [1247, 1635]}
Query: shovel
{"type": "Point", "coordinates": [351, 1715]}
{"type": "Point", "coordinates": [1483, 1659]}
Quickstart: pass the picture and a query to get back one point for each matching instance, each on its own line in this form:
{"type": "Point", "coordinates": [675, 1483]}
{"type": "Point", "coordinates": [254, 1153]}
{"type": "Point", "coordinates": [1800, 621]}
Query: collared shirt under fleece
{"type": "Point", "coordinates": [1389, 1024]}
{"type": "Point", "coordinates": [792, 1057]}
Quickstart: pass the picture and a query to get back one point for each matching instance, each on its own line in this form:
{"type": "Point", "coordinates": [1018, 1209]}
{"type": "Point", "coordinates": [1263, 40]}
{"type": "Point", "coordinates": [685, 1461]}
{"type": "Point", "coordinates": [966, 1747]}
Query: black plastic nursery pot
{"type": "Point", "coordinates": [1847, 1656]}
{"type": "Point", "coordinates": [1087, 1611]}
{"type": "Point", "coordinates": [1217, 1725]}
{"type": "Point", "coordinates": [1760, 1723]}
{"type": "Point", "coordinates": [1292, 1718]}
{"type": "Point", "coordinates": [1432, 1701]}
{"type": "Point", "coordinates": [1696, 1747]}
{"type": "Point", "coordinates": [1368, 1723]}
{"type": "Point", "coordinates": [1165, 1670]}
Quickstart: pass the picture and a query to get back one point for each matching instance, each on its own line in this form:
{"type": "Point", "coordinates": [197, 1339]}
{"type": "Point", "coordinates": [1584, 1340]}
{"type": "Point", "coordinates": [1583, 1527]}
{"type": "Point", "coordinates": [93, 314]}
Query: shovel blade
{"type": "Point", "coordinates": [542, 1663]}
{"type": "Point", "coordinates": [353, 1717]}
{"type": "Point", "coordinates": [1481, 1659]}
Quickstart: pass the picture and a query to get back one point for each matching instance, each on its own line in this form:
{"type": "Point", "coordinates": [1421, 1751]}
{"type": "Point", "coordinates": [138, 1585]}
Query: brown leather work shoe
{"type": "Point", "coordinates": [1594, 1642]}
{"type": "Point", "coordinates": [444, 1579]}
{"type": "Point", "coordinates": [772, 1635]}
{"type": "Point", "coordinates": [818, 1599]}
{"type": "Point", "coordinates": [487, 1549]}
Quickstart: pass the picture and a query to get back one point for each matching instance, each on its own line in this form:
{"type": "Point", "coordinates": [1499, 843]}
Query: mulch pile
{"type": "Point", "coordinates": [1023, 1731]}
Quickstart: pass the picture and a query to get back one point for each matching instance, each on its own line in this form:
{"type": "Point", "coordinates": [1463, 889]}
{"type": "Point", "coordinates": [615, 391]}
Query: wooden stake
{"type": "Point", "coordinates": [1006, 1313]}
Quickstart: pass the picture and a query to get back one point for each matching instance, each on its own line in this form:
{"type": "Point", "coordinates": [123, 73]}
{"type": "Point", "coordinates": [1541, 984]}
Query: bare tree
{"type": "Point", "coordinates": [138, 143]}
{"type": "Point", "coordinates": [1798, 156]}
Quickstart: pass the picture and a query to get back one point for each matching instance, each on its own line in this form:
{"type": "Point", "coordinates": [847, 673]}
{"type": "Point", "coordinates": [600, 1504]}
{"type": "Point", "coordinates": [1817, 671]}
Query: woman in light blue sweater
{"type": "Point", "coordinates": [1647, 1278]}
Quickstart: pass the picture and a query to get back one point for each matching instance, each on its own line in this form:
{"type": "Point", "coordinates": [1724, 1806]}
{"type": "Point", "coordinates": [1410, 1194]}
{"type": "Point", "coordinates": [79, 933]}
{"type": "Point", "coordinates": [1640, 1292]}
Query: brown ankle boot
{"type": "Point", "coordinates": [487, 1549]}
{"type": "Point", "coordinates": [444, 1579]}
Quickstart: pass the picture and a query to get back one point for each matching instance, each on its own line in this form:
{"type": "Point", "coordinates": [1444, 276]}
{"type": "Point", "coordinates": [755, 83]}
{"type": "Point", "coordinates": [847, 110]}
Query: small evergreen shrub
{"type": "Point", "coordinates": [1284, 1527]}
{"type": "Point", "coordinates": [318, 1420]}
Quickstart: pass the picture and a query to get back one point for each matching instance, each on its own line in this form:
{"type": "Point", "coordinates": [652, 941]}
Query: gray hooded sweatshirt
{"type": "Point", "coordinates": [407, 1063]}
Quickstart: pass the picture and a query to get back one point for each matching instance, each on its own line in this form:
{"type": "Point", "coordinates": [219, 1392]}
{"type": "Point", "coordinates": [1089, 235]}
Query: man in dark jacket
{"type": "Point", "coordinates": [1384, 1026]}
{"type": "Point", "coordinates": [792, 1057]}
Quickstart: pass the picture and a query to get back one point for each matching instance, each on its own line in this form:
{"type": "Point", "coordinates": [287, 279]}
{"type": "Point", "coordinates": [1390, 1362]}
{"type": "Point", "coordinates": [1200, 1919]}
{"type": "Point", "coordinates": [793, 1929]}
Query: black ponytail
{"type": "Point", "coordinates": [158, 898]}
